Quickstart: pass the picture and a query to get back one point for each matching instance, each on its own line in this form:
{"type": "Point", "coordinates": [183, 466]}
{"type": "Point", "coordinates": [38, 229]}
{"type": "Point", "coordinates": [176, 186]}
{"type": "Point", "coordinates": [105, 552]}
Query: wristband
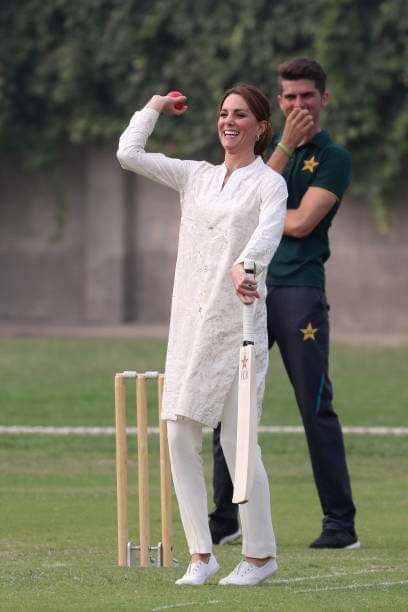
{"type": "Point", "coordinates": [285, 149]}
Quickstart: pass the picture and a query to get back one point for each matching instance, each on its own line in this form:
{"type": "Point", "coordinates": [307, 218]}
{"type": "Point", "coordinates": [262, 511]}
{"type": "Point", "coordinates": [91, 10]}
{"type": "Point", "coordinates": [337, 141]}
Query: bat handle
{"type": "Point", "coordinates": [248, 318]}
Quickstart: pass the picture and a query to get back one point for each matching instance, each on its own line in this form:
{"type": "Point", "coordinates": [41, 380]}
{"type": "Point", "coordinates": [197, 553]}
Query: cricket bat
{"type": "Point", "coordinates": [247, 421]}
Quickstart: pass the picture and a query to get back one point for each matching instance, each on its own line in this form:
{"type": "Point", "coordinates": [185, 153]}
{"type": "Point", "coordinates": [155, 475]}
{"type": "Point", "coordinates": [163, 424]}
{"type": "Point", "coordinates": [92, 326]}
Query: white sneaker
{"type": "Point", "coordinates": [248, 574]}
{"type": "Point", "coordinates": [198, 572]}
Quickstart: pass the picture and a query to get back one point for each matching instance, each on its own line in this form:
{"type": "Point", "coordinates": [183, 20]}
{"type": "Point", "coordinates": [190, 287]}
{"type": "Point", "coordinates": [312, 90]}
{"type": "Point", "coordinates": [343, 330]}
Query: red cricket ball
{"type": "Point", "coordinates": [175, 94]}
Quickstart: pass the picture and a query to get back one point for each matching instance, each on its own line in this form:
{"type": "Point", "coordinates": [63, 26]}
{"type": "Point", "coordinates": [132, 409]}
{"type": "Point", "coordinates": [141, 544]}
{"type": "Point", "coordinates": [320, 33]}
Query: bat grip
{"type": "Point", "coordinates": [248, 315]}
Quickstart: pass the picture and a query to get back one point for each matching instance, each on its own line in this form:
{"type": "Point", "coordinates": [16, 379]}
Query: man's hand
{"type": "Point", "coordinates": [299, 128]}
{"type": "Point", "coordinates": [245, 286]}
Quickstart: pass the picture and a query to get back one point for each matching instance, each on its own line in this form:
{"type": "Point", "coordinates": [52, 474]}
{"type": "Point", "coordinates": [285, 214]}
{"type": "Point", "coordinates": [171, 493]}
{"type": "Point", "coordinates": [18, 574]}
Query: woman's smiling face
{"type": "Point", "coordinates": [237, 125]}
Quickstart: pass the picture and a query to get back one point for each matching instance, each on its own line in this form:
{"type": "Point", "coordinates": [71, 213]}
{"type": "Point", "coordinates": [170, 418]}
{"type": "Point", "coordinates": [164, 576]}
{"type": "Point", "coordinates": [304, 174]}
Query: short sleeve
{"type": "Point", "coordinates": [334, 170]}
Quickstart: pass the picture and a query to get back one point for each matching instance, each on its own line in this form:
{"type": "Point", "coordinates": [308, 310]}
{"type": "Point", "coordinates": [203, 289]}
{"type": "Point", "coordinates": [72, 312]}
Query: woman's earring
{"type": "Point", "coordinates": [257, 138]}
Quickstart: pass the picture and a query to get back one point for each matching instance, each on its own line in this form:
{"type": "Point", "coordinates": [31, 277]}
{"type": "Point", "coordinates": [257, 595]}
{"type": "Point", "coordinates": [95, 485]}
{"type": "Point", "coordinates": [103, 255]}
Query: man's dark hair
{"type": "Point", "coordinates": [302, 68]}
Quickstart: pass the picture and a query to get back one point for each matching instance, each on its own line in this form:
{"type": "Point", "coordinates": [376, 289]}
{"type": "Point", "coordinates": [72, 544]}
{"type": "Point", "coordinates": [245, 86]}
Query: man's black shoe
{"type": "Point", "coordinates": [224, 532]}
{"type": "Point", "coordinates": [333, 538]}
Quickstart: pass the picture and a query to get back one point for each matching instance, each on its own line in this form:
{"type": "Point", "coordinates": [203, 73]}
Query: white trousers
{"type": "Point", "coordinates": [185, 444]}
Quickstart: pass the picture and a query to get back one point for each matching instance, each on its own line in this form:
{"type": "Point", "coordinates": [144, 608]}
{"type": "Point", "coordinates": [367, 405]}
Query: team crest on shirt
{"type": "Point", "coordinates": [309, 332]}
{"type": "Point", "coordinates": [309, 165]}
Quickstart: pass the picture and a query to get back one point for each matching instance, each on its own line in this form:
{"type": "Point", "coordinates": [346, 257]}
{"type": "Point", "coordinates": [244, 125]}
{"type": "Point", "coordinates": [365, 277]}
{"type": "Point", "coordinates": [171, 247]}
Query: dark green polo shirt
{"type": "Point", "coordinates": [318, 163]}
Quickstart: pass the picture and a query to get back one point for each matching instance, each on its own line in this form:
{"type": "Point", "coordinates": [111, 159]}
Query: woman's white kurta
{"type": "Point", "coordinates": [219, 227]}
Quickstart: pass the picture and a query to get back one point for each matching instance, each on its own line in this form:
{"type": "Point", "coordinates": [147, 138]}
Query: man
{"type": "Point", "coordinates": [317, 172]}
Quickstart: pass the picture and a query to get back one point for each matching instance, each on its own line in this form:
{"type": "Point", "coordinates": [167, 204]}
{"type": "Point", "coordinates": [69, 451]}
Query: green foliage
{"type": "Point", "coordinates": [363, 46]}
{"type": "Point", "coordinates": [72, 73]}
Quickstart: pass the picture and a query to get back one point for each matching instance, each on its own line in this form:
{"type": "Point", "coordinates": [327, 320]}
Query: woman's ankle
{"type": "Point", "coordinates": [205, 557]}
{"type": "Point", "coordinates": [257, 562]}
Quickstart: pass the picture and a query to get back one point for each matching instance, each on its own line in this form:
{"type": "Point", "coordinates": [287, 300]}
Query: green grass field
{"type": "Point", "coordinates": [57, 534]}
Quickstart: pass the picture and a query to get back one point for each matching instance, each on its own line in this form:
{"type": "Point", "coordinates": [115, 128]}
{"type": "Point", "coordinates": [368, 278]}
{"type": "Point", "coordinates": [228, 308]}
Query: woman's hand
{"type": "Point", "coordinates": [167, 104]}
{"type": "Point", "coordinates": [245, 286]}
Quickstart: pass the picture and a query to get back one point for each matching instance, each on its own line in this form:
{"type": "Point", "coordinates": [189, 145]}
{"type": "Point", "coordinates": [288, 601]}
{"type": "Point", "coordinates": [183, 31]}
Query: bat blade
{"type": "Point", "coordinates": [247, 422]}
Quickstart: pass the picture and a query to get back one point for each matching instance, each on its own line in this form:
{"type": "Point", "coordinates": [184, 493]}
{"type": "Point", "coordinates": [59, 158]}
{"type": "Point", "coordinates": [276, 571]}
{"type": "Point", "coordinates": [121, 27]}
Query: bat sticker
{"type": "Point", "coordinates": [244, 369]}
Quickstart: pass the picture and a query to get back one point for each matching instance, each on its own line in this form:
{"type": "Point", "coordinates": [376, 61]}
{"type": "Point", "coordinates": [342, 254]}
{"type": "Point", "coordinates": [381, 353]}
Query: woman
{"type": "Point", "coordinates": [229, 212]}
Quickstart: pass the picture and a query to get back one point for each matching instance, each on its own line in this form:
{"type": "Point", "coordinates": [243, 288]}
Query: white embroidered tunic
{"type": "Point", "coordinates": [219, 227]}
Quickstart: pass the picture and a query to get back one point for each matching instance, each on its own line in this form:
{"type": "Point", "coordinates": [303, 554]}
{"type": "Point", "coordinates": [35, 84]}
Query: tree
{"type": "Point", "coordinates": [363, 46]}
{"type": "Point", "coordinates": [72, 73]}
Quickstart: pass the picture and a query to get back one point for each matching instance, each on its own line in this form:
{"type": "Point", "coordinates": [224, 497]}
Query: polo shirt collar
{"type": "Point", "coordinates": [321, 139]}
